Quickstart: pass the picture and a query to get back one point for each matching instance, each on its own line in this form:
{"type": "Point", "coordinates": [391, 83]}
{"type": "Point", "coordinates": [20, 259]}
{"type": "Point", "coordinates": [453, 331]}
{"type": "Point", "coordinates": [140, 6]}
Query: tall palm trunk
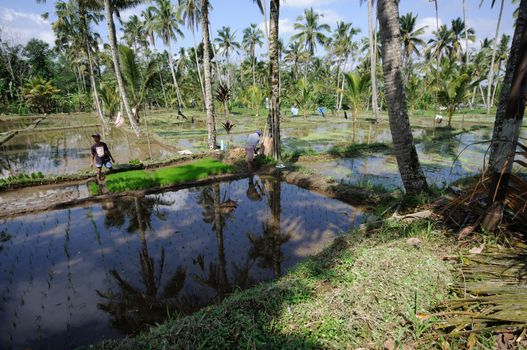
{"type": "Point", "coordinates": [373, 63]}
{"type": "Point", "coordinates": [173, 72]}
{"type": "Point", "coordinates": [198, 66]}
{"type": "Point", "coordinates": [494, 48]}
{"type": "Point", "coordinates": [207, 71]}
{"type": "Point", "coordinates": [510, 113]}
{"type": "Point", "coordinates": [407, 159]}
{"type": "Point", "coordinates": [85, 37]}
{"type": "Point", "coordinates": [117, 65]}
{"type": "Point", "coordinates": [466, 33]}
{"type": "Point", "coordinates": [218, 227]}
{"type": "Point", "coordinates": [274, 59]}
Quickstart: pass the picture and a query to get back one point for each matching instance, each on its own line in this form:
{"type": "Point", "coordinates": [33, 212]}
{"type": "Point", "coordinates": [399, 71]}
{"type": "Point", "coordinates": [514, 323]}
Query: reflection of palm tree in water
{"type": "Point", "coordinates": [120, 209]}
{"type": "Point", "coordinates": [133, 308]}
{"type": "Point", "coordinates": [267, 248]}
{"type": "Point", "coordinates": [216, 212]}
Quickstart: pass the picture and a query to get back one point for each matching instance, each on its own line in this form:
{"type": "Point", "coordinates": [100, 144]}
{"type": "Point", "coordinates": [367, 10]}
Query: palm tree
{"type": "Point", "coordinates": [310, 31]}
{"type": "Point", "coordinates": [342, 48]}
{"type": "Point", "coordinates": [305, 95]}
{"type": "Point", "coordinates": [372, 40]}
{"type": "Point", "coordinates": [168, 19]}
{"type": "Point", "coordinates": [134, 33]}
{"type": "Point", "coordinates": [209, 105]}
{"type": "Point", "coordinates": [262, 6]}
{"type": "Point", "coordinates": [441, 42]}
{"type": "Point", "coordinates": [191, 13]}
{"type": "Point", "coordinates": [412, 175]}
{"type": "Point", "coordinates": [227, 45]}
{"type": "Point", "coordinates": [501, 56]}
{"type": "Point", "coordinates": [39, 93]}
{"type": "Point", "coordinates": [252, 37]}
{"type": "Point", "coordinates": [410, 37]}
{"type": "Point", "coordinates": [110, 8]}
{"type": "Point", "coordinates": [295, 54]}
{"type": "Point", "coordinates": [356, 92]}
{"type": "Point", "coordinates": [274, 60]}
{"type": "Point", "coordinates": [79, 14]}
{"type": "Point", "coordinates": [509, 115]}
{"type": "Point", "coordinates": [458, 28]}
{"type": "Point", "coordinates": [494, 49]}
{"type": "Point", "coordinates": [149, 25]}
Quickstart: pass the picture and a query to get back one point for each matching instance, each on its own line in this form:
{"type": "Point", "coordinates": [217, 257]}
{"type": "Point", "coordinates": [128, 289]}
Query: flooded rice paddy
{"type": "Point", "coordinates": [74, 277]}
{"type": "Point", "coordinates": [68, 150]}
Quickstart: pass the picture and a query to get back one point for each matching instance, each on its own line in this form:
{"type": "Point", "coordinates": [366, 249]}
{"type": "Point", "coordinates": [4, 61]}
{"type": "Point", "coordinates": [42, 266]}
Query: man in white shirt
{"type": "Point", "coordinates": [253, 140]}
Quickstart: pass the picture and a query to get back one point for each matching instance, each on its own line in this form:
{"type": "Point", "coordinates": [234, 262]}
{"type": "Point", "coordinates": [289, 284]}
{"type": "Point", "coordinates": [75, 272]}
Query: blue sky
{"type": "Point", "coordinates": [20, 19]}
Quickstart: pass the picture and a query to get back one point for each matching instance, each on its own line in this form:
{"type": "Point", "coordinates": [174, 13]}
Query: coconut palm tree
{"type": "Point", "coordinates": [134, 33]}
{"type": "Point", "coordinates": [310, 31]}
{"type": "Point", "coordinates": [356, 93]}
{"type": "Point", "coordinates": [494, 50]}
{"type": "Point", "coordinates": [412, 175]}
{"type": "Point", "coordinates": [39, 93]}
{"type": "Point", "coordinates": [441, 43]}
{"type": "Point", "coordinates": [274, 60]}
{"type": "Point", "coordinates": [110, 7]}
{"type": "Point", "coordinates": [343, 46]}
{"type": "Point", "coordinates": [262, 6]}
{"type": "Point", "coordinates": [209, 105]}
{"type": "Point", "coordinates": [295, 54]}
{"type": "Point", "coordinates": [459, 28]}
{"type": "Point", "coordinates": [191, 13]}
{"type": "Point", "coordinates": [79, 14]}
{"type": "Point", "coordinates": [252, 37]}
{"type": "Point", "coordinates": [168, 19]}
{"type": "Point", "coordinates": [149, 25]}
{"type": "Point", "coordinates": [509, 117]}
{"type": "Point", "coordinates": [227, 45]}
{"type": "Point", "coordinates": [372, 40]}
{"type": "Point", "coordinates": [501, 56]}
{"type": "Point", "coordinates": [410, 37]}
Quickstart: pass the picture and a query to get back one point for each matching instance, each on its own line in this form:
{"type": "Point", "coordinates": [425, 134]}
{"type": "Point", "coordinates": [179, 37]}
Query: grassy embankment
{"type": "Point", "coordinates": [142, 179]}
{"type": "Point", "coordinates": [362, 291]}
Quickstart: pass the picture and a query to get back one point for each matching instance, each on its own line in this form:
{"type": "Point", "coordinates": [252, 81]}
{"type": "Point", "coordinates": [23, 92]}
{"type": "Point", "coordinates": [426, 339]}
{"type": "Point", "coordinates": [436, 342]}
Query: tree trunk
{"type": "Point", "coordinates": [86, 36]}
{"type": "Point", "coordinates": [209, 105]}
{"type": "Point", "coordinates": [412, 175]}
{"type": "Point", "coordinates": [494, 48]}
{"type": "Point", "coordinates": [197, 66]}
{"type": "Point", "coordinates": [274, 59]}
{"type": "Point", "coordinates": [466, 33]}
{"type": "Point", "coordinates": [173, 72]}
{"type": "Point", "coordinates": [117, 65]}
{"type": "Point", "coordinates": [375, 104]}
{"type": "Point", "coordinates": [510, 112]}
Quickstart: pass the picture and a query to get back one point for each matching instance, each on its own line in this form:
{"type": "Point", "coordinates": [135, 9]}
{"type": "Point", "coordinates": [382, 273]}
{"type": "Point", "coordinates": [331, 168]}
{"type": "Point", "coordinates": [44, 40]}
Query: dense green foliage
{"type": "Point", "coordinates": [333, 63]}
{"type": "Point", "coordinates": [141, 179]}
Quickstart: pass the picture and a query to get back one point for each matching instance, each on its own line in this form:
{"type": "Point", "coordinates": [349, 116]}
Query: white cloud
{"type": "Point", "coordinates": [430, 25]}
{"type": "Point", "coordinates": [306, 3]}
{"type": "Point", "coordinates": [330, 17]}
{"type": "Point", "coordinates": [126, 14]}
{"type": "Point", "coordinates": [285, 26]}
{"type": "Point", "coordinates": [23, 26]}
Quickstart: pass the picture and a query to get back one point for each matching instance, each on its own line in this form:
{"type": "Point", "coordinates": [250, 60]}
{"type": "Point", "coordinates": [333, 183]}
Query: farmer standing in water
{"type": "Point", "coordinates": [253, 141]}
{"type": "Point", "coordinates": [100, 155]}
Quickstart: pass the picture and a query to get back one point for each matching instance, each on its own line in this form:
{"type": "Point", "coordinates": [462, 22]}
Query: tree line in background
{"type": "Point", "coordinates": [320, 66]}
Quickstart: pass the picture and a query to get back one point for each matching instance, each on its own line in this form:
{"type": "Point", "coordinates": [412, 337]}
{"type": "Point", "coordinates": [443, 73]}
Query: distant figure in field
{"type": "Point", "coordinates": [345, 115]}
{"type": "Point", "coordinates": [253, 141]}
{"type": "Point", "coordinates": [100, 155]}
{"type": "Point", "coordinates": [294, 111]}
{"type": "Point", "coordinates": [438, 119]}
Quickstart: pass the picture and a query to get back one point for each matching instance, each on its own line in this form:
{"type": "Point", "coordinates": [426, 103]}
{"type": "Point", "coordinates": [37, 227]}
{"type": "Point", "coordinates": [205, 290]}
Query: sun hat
{"type": "Point", "coordinates": [96, 135]}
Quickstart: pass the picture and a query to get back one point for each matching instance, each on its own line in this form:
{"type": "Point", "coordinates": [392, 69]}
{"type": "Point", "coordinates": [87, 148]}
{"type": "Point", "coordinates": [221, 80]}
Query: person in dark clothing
{"type": "Point", "coordinates": [100, 155]}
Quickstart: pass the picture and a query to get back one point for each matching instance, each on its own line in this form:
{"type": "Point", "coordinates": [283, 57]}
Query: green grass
{"type": "Point", "coordinates": [359, 292]}
{"type": "Point", "coordinates": [93, 188]}
{"type": "Point", "coordinates": [357, 149]}
{"type": "Point", "coordinates": [141, 179]}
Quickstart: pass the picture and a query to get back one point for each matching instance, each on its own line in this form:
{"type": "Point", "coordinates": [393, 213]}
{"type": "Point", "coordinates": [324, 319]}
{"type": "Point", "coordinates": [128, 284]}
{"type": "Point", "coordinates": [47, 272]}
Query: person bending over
{"type": "Point", "coordinates": [100, 155]}
{"type": "Point", "coordinates": [253, 141]}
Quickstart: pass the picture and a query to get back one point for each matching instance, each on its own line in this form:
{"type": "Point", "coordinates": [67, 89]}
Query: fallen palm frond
{"type": "Point", "coordinates": [493, 294]}
{"type": "Point", "coordinates": [469, 209]}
